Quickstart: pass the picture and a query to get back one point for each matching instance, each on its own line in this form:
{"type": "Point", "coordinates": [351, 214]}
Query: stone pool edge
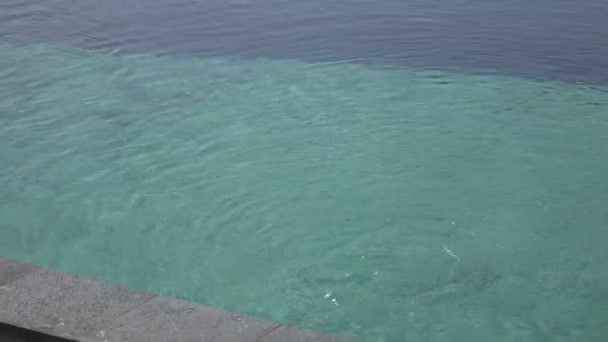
{"type": "Point", "coordinates": [80, 309]}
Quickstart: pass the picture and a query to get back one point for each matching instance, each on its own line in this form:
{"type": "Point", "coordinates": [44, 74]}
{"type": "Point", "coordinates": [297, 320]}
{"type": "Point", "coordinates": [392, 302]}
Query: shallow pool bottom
{"type": "Point", "coordinates": [385, 204]}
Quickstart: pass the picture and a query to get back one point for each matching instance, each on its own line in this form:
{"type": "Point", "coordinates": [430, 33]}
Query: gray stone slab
{"type": "Point", "coordinates": [288, 334]}
{"type": "Point", "coordinates": [11, 270]}
{"type": "Point", "coordinates": [171, 320]}
{"type": "Point", "coordinates": [34, 300]}
{"type": "Point", "coordinates": [64, 305]}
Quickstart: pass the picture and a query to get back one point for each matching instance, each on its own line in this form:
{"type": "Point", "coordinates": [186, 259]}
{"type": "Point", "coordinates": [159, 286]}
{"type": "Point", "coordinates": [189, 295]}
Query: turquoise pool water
{"type": "Point", "coordinates": [387, 204]}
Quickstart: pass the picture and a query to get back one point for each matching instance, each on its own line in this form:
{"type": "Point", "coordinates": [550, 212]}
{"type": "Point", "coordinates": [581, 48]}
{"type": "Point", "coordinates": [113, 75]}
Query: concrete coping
{"type": "Point", "coordinates": [34, 300]}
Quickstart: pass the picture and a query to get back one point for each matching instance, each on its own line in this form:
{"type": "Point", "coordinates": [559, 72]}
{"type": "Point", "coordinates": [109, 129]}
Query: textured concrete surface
{"type": "Point", "coordinates": [80, 309]}
{"type": "Point", "coordinates": [175, 320]}
{"type": "Point", "coordinates": [287, 334]}
{"type": "Point", "coordinates": [64, 305]}
{"type": "Point", "coordinates": [12, 270]}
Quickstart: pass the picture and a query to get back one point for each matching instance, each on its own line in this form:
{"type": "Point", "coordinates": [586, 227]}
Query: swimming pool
{"type": "Point", "coordinates": [387, 204]}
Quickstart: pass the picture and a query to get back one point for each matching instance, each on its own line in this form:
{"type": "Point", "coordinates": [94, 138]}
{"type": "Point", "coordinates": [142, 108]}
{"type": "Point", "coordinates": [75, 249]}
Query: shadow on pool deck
{"type": "Point", "coordinates": [9, 333]}
{"type": "Point", "coordinates": [38, 305]}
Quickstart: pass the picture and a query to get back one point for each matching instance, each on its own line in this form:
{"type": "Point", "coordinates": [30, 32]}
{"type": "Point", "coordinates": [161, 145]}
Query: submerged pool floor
{"type": "Point", "coordinates": [384, 204]}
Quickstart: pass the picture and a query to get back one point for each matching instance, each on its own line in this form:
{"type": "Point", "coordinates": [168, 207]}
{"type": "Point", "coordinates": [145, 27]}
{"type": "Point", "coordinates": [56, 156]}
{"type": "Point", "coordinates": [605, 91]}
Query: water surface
{"type": "Point", "coordinates": [549, 39]}
{"type": "Point", "coordinates": [389, 170]}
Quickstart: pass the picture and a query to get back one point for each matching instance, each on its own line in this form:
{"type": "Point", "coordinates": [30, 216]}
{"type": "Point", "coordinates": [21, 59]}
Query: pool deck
{"type": "Point", "coordinates": [41, 305]}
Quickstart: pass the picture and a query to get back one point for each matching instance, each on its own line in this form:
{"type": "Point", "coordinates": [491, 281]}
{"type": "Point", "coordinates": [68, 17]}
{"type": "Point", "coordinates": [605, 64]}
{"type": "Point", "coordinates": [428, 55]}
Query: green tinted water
{"type": "Point", "coordinates": [388, 205]}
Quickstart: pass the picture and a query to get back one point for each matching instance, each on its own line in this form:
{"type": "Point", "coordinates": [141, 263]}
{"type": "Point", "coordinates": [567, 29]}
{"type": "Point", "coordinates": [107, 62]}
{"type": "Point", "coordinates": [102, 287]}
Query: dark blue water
{"type": "Point", "coordinates": [549, 39]}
